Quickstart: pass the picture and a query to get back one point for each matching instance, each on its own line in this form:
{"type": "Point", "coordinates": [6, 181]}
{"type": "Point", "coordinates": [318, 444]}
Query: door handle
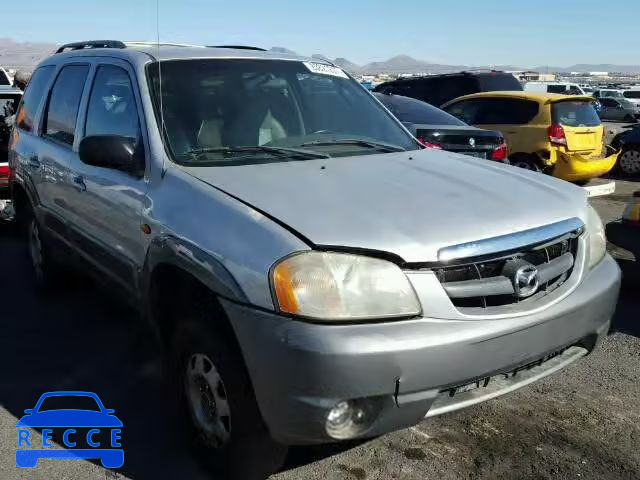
{"type": "Point", "coordinates": [78, 182]}
{"type": "Point", "coordinates": [33, 162]}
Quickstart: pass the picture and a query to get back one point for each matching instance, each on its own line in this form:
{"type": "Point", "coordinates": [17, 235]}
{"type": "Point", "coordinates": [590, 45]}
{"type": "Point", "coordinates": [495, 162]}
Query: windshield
{"type": "Point", "coordinates": [213, 107]}
{"type": "Point", "coordinates": [575, 114]}
{"type": "Point", "coordinates": [631, 94]}
{"type": "Point", "coordinates": [69, 402]}
{"type": "Point", "coordinates": [414, 111]}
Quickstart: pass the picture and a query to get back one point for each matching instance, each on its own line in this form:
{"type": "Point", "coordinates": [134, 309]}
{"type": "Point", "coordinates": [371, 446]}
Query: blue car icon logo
{"type": "Point", "coordinates": [103, 429]}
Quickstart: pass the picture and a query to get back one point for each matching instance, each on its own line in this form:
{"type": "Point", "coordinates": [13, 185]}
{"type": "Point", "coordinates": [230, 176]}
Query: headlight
{"type": "Point", "coordinates": [337, 286]}
{"type": "Point", "coordinates": [597, 238]}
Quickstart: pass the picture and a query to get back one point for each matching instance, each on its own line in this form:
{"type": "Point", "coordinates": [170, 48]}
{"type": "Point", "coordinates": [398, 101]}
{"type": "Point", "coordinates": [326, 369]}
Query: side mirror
{"type": "Point", "coordinates": [110, 151]}
{"type": "Point", "coordinates": [29, 411]}
{"type": "Point", "coordinates": [109, 411]}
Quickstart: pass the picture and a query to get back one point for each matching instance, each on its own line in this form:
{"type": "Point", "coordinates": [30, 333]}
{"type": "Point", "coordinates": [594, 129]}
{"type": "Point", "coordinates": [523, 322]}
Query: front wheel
{"type": "Point", "coordinates": [629, 162]}
{"type": "Point", "coordinates": [221, 410]}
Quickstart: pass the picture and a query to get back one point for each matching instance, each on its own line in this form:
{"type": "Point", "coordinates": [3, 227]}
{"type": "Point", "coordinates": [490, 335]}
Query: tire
{"type": "Point", "coordinates": [629, 162]}
{"type": "Point", "coordinates": [527, 162]}
{"type": "Point", "coordinates": [629, 118]}
{"type": "Point", "coordinates": [581, 183]}
{"type": "Point", "coordinates": [45, 271]}
{"type": "Point", "coordinates": [219, 407]}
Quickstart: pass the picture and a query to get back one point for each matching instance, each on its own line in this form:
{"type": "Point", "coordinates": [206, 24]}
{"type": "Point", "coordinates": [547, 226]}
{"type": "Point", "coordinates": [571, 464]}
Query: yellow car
{"type": "Point", "coordinates": [557, 134]}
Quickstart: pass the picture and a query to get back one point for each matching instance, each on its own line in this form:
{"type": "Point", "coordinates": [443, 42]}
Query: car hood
{"type": "Point", "coordinates": [410, 204]}
{"type": "Point", "coordinates": [69, 418]}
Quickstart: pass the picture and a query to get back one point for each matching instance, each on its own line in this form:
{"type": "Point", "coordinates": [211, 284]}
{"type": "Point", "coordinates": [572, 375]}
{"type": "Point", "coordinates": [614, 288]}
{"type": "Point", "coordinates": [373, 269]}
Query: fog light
{"type": "Point", "coordinates": [347, 419]}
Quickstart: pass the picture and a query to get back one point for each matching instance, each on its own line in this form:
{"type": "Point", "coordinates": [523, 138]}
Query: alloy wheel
{"type": "Point", "coordinates": [207, 400]}
{"type": "Point", "coordinates": [630, 162]}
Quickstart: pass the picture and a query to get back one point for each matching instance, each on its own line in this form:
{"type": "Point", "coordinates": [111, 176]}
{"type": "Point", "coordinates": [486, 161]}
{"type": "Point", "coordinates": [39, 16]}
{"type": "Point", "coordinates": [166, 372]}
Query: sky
{"type": "Point", "coordinates": [472, 32]}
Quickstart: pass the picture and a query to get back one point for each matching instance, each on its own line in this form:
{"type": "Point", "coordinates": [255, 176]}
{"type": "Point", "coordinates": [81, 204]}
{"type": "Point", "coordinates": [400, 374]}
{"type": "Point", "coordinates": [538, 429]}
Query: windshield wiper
{"type": "Point", "coordinates": [283, 152]}
{"type": "Point", "coordinates": [385, 147]}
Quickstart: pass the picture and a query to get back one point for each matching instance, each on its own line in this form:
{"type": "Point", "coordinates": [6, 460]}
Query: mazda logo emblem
{"type": "Point", "coordinates": [526, 281]}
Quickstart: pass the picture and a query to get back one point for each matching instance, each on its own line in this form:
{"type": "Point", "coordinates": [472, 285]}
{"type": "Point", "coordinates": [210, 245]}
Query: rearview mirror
{"type": "Point", "coordinates": [110, 151]}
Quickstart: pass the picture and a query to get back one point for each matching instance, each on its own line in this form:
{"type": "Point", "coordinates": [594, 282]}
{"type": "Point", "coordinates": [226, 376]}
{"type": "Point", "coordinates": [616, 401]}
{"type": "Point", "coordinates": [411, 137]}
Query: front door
{"type": "Point", "coordinates": [109, 201]}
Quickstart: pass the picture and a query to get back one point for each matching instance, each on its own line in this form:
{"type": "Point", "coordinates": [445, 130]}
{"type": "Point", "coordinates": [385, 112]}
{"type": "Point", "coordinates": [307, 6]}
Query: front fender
{"type": "Point", "coordinates": [201, 265]}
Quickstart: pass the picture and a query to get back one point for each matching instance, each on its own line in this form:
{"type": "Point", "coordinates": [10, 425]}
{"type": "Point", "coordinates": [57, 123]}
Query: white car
{"type": "Point", "coordinates": [555, 87]}
{"type": "Point", "coordinates": [633, 95]}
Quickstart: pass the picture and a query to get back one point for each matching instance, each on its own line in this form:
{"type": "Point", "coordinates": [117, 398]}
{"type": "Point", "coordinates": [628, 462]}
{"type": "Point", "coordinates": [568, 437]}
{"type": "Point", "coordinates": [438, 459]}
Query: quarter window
{"type": "Point", "coordinates": [62, 112]}
{"type": "Point", "coordinates": [112, 107]}
{"type": "Point", "coordinates": [33, 96]}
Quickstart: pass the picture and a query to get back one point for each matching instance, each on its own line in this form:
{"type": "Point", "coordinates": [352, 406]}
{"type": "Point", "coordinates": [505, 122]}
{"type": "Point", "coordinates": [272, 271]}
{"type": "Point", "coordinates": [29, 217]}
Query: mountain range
{"type": "Point", "coordinates": [26, 55]}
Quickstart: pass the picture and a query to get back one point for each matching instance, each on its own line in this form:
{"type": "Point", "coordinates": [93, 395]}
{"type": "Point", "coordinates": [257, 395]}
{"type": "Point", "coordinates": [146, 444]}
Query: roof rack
{"type": "Point", "coordinates": [91, 44]}
{"type": "Point", "coordinates": [238, 47]}
{"type": "Point", "coordinates": [161, 44]}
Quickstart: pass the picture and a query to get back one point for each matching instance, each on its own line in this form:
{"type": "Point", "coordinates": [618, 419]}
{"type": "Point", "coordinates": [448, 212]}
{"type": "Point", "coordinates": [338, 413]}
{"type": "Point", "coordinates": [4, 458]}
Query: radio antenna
{"type": "Point", "coordinates": [162, 132]}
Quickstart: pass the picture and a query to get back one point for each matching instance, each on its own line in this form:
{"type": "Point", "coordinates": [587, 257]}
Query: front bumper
{"type": "Point", "coordinates": [301, 370]}
{"type": "Point", "coordinates": [573, 167]}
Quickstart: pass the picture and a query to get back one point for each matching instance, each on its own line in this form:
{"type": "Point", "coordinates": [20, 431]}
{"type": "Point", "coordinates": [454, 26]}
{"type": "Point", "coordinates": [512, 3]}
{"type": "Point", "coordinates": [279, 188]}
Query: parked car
{"type": "Point", "coordinates": [439, 89]}
{"type": "Point", "coordinates": [557, 134]}
{"type": "Point", "coordinates": [316, 274]}
{"type": "Point", "coordinates": [632, 95]}
{"type": "Point", "coordinates": [565, 88]}
{"type": "Point", "coordinates": [628, 143]}
{"type": "Point", "coordinates": [619, 109]}
{"type": "Point", "coordinates": [608, 93]}
{"type": "Point", "coordinates": [9, 100]}
{"type": "Point", "coordinates": [435, 128]}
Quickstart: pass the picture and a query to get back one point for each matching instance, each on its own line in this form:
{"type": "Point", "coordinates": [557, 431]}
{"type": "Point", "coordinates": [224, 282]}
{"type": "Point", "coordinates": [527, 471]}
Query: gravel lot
{"type": "Point", "coordinates": [583, 423]}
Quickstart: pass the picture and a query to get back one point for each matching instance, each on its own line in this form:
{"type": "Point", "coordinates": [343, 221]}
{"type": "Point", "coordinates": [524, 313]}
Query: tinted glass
{"type": "Point", "coordinates": [414, 111]}
{"type": "Point", "coordinates": [610, 93]}
{"type": "Point", "coordinates": [556, 88]}
{"type": "Point", "coordinates": [112, 107]}
{"type": "Point", "coordinates": [232, 103]}
{"type": "Point", "coordinates": [4, 80]}
{"type": "Point", "coordinates": [60, 120]}
{"type": "Point", "coordinates": [493, 82]}
{"type": "Point", "coordinates": [495, 111]}
{"type": "Point", "coordinates": [32, 97]}
{"type": "Point", "coordinates": [68, 402]}
{"type": "Point", "coordinates": [631, 94]}
{"type": "Point", "coordinates": [608, 102]}
{"type": "Point", "coordinates": [575, 114]}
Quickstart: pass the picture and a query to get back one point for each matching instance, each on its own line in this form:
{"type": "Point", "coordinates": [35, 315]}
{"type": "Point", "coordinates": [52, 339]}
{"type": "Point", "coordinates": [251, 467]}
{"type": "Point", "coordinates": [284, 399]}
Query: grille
{"type": "Point", "coordinates": [486, 286]}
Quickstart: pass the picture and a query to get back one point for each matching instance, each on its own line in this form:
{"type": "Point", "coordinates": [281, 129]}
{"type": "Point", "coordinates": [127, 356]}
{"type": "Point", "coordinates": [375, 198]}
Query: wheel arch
{"type": "Point", "coordinates": [177, 275]}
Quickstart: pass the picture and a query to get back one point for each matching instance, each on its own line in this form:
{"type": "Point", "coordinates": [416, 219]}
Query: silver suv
{"type": "Point", "coordinates": [314, 273]}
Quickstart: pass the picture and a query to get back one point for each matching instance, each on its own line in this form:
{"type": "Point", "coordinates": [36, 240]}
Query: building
{"type": "Point", "coordinates": [530, 76]}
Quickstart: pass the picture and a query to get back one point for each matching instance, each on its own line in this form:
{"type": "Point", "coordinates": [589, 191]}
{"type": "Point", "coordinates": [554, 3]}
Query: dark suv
{"type": "Point", "coordinates": [439, 89]}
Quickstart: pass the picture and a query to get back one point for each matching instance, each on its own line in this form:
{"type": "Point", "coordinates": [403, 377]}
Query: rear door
{"type": "Point", "coordinates": [510, 116]}
{"type": "Point", "coordinates": [610, 109]}
{"type": "Point", "coordinates": [582, 127]}
{"type": "Point", "coordinates": [108, 202]}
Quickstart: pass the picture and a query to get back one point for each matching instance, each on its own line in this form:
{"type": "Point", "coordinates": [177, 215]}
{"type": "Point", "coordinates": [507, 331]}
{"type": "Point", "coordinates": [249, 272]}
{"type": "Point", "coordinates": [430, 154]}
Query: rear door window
{"type": "Point", "coordinates": [62, 111]}
{"type": "Point", "coordinates": [608, 102]}
{"type": "Point", "coordinates": [495, 111]}
{"type": "Point", "coordinates": [33, 96]}
{"type": "Point", "coordinates": [631, 94]}
{"type": "Point", "coordinates": [556, 88]}
{"type": "Point", "coordinates": [575, 114]}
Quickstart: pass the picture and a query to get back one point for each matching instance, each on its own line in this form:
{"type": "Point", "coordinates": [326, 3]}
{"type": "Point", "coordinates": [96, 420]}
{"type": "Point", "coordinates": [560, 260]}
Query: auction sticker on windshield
{"type": "Point", "coordinates": [324, 69]}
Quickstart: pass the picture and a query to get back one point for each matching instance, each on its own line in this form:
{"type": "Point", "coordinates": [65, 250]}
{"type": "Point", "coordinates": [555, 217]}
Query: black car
{"type": "Point", "coordinates": [435, 128]}
{"type": "Point", "coordinates": [439, 89]}
{"type": "Point", "coordinates": [628, 142]}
